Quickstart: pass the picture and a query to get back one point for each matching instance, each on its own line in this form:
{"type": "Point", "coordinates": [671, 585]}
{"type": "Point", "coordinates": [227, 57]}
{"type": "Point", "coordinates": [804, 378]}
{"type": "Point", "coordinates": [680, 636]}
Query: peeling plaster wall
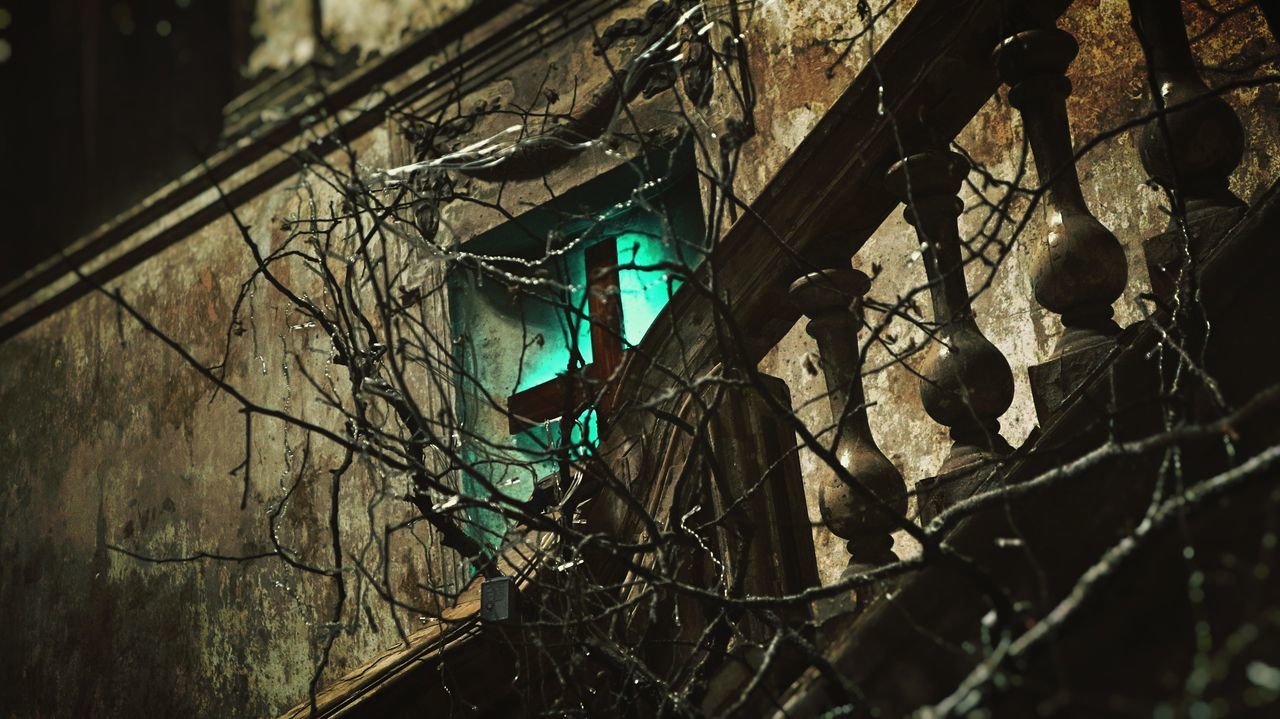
{"type": "Point", "coordinates": [109, 438]}
{"type": "Point", "coordinates": [802, 56]}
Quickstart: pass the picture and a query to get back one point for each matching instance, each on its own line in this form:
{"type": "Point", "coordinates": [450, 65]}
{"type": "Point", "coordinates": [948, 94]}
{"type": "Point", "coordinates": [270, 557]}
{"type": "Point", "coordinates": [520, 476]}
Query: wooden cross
{"type": "Point", "coordinates": [573, 392]}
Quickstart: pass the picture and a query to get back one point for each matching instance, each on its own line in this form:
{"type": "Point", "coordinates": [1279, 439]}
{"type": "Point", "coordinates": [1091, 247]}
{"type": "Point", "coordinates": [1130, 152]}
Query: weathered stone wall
{"type": "Point", "coordinates": [110, 439]}
{"type": "Point", "coordinates": [802, 56]}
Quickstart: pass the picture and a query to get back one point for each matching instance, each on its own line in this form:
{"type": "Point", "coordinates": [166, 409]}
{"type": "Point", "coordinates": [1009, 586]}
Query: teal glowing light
{"type": "Point", "coordinates": [554, 326]}
{"type": "Point", "coordinates": [509, 341]}
{"type": "Point", "coordinates": [645, 285]}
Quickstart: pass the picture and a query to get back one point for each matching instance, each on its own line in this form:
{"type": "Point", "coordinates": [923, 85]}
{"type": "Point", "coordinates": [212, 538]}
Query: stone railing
{"type": "Point", "coordinates": [1192, 143]}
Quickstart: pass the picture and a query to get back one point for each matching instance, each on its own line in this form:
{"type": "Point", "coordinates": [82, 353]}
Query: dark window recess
{"type": "Point", "coordinates": [547, 334]}
{"type": "Point", "coordinates": [105, 102]}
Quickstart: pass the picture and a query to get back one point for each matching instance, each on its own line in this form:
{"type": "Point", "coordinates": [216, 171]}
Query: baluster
{"type": "Point", "coordinates": [1081, 270]}
{"type": "Point", "coordinates": [831, 299]}
{"type": "Point", "coordinates": [966, 383]}
{"type": "Point", "coordinates": [1190, 150]}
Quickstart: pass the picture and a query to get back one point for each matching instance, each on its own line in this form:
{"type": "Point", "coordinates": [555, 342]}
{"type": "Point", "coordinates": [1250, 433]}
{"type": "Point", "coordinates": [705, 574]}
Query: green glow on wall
{"type": "Point", "coordinates": [644, 292]}
{"type": "Point", "coordinates": [513, 336]}
{"type": "Point", "coordinates": [559, 317]}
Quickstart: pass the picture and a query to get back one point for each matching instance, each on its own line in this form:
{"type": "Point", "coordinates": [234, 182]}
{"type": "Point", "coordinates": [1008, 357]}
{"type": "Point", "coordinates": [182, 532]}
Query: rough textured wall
{"type": "Point", "coordinates": [802, 56]}
{"type": "Point", "coordinates": [1110, 82]}
{"type": "Point", "coordinates": [109, 438]}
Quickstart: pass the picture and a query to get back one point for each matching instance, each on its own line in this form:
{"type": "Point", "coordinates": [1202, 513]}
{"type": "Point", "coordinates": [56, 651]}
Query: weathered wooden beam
{"type": "Point", "coordinates": [924, 84]}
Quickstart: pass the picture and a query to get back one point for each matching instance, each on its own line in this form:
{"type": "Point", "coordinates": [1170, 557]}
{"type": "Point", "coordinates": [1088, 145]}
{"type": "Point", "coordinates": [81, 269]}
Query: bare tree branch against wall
{"type": "Point", "coordinates": [652, 513]}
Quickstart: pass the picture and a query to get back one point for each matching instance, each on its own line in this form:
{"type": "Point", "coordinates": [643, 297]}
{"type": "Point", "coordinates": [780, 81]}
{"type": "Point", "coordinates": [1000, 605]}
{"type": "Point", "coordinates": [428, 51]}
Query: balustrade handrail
{"type": "Point", "coordinates": [934, 66]}
{"type": "Point", "coordinates": [1240, 261]}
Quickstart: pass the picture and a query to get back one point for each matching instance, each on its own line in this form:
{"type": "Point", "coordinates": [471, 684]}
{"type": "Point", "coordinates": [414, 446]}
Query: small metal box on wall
{"type": "Point", "coordinates": [499, 599]}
